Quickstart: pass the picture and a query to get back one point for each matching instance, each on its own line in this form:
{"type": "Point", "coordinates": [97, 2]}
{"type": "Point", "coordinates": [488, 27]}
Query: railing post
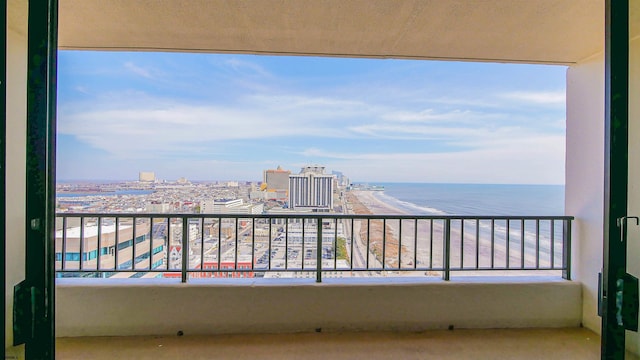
{"type": "Point", "coordinates": [99, 244]}
{"type": "Point", "coordinates": [319, 251]}
{"type": "Point", "coordinates": [447, 249]}
{"type": "Point", "coordinates": [63, 250]}
{"type": "Point", "coordinates": [185, 248]}
{"type": "Point", "coordinates": [133, 244]}
{"type": "Point", "coordinates": [81, 242]}
{"type": "Point", "coordinates": [566, 249]}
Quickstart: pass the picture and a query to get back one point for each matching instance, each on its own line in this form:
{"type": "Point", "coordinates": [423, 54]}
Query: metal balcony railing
{"type": "Point", "coordinates": [188, 246]}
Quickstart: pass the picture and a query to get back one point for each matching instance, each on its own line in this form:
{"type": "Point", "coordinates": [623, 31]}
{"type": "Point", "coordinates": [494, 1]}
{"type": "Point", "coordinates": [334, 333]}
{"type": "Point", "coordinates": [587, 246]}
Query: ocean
{"type": "Point", "coordinates": [474, 199]}
{"type": "Point", "coordinates": [486, 199]}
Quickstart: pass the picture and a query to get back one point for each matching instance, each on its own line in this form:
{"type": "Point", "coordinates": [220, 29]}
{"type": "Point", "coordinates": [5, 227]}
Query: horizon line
{"type": "Point", "coordinates": [352, 182]}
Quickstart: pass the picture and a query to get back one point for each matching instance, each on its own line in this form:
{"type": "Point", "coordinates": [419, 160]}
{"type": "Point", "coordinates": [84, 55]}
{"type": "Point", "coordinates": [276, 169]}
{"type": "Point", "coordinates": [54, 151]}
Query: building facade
{"type": "Point", "coordinates": [311, 189]}
{"type": "Point", "coordinates": [157, 207]}
{"type": "Point", "coordinates": [147, 176]}
{"type": "Point", "coordinates": [277, 184]}
{"type": "Point", "coordinates": [97, 250]}
{"type": "Point", "coordinates": [235, 206]}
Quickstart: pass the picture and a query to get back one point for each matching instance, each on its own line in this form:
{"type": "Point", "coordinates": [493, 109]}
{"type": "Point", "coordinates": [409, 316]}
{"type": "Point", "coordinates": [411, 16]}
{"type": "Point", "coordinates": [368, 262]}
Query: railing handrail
{"type": "Point", "coordinates": [319, 216]}
{"type": "Point", "coordinates": [373, 250]}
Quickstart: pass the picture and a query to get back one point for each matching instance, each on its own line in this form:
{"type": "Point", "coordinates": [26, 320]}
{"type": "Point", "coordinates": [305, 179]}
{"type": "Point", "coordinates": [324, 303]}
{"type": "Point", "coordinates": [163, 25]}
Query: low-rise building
{"type": "Point", "coordinates": [235, 206]}
{"type": "Point", "coordinates": [101, 247]}
{"type": "Point", "coordinates": [157, 207]}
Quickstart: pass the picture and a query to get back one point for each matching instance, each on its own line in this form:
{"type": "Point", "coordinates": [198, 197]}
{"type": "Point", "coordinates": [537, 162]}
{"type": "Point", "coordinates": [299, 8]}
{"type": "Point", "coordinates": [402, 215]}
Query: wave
{"type": "Point", "coordinates": [469, 199]}
{"type": "Point", "coordinates": [543, 238]}
{"type": "Point", "coordinates": [410, 207]}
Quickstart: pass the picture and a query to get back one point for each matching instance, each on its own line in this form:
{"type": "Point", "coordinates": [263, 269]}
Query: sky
{"type": "Point", "coordinates": [229, 117]}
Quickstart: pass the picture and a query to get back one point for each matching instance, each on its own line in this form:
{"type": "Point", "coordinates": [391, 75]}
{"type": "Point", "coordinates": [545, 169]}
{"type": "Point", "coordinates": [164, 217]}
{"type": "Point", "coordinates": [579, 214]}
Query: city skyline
{"type": "Point", "coordinates": [228, 117]}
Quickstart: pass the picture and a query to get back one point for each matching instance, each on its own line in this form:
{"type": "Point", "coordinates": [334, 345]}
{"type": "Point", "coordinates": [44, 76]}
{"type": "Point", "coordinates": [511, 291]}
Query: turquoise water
{"type": "Point", "coordinates": [474, 199]}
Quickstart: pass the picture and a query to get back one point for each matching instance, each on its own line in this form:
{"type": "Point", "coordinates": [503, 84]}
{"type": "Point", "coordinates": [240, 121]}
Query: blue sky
{"type": "Point", "coordinates": [228, 117]}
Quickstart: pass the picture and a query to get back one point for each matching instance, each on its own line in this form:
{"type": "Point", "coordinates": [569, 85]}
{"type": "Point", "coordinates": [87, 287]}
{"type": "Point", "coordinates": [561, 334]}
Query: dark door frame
{"type": "Point", "coordinates": [3, 164]}
{"type": "Point", "coordinates": [40, 175]}
{"type": "Point", "coordinates": [616, 170]}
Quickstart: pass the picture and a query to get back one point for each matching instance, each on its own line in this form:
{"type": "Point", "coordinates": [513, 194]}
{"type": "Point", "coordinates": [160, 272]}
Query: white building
{"type": "Point", "coordinates": [257, 195]}
{"type": "Point", "coordinates": [158, 207]}
{"type": "Point", "coordinates": [311, 189]}
{"type": "Point", "coordinates": [235, 206]}
{"type": "Point", "coordinates": [218, 206]}
{"type": "Point", "coordinates": [250, 209]}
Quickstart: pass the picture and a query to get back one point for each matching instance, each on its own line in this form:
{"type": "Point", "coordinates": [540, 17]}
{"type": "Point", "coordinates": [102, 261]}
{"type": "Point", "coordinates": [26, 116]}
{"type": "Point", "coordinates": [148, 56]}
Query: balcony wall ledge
{"type": "Point", "coordinates": [286, 282]}
{"type": "Point", "coordinates": [104, 307]}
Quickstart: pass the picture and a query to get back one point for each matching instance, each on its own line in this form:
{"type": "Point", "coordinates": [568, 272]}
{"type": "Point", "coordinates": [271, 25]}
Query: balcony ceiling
{"type": "Point", "coordinates": [540, 31]}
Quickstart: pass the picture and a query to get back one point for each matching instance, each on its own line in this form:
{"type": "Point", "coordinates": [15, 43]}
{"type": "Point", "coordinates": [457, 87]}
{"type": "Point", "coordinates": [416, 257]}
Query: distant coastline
{"type": "Point", "coordinates": [76, 193]}
{"type": "Point", "coordinates": [366, 187]}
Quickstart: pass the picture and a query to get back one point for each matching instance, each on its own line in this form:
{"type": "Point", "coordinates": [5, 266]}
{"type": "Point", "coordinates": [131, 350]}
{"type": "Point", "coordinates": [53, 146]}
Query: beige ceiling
{"type": "Point", "coordinates": [531, 31]}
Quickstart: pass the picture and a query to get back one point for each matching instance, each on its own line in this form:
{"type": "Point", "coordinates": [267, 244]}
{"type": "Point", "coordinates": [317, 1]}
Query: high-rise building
{"type": "Point", "coordinates": [311, 189]}
{"type": "Point", "coordinates": [147, 176]}
{"type": "Point", "coordinates": [277, 184]}
{"type": "Point", "coordinates": [340, 178]}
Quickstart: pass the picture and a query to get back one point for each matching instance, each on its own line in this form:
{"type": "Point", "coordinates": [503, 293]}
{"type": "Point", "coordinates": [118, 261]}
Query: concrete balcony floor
{"type": "Point", "coordinates": [567, 343]}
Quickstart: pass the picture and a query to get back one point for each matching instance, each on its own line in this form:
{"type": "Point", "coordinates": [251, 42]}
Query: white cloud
{"type": "Point", "coordinates": [524, 160]}
{"type": "Point", "coordinates": [556, 98]}
{"type": "Point", "coordinates": [247, 67]}
{"type": "Point", "coordinates": [465, 102]}
{"type": "Point", "coordinates": [145, 131]}
{"type": "Point", "coordinates": [460, 134]}
{"type": "Point", "coordinates": [429, 115]}
{"type": "Point", "coordinates": [138, 70]}
{"type": "Point", "coordinates": [82, 89]}
{"type": "Point", "coordinates": [136, 124]}
{"type": "Point", "coordinates": [300, 101]}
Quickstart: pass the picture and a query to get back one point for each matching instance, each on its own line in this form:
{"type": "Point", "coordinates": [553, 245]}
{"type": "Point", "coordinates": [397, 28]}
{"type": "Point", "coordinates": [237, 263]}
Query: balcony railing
{"type": "Point", "coordinates": [189, 246]}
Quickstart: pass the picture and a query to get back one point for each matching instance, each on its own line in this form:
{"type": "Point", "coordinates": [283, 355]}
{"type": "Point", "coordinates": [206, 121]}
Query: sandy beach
{"type": "Point", "coordinates": [375, 205]}
{"type": "Point", "coordinates": [366, 203]}
{"type": "Point", "coordinates": [424, 246]}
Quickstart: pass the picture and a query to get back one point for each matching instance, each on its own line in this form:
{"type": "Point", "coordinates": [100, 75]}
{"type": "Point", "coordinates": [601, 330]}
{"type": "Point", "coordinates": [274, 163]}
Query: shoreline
{"type": "Point", "coordinates": [367, 203]}
{"type": "Point", "coordinates": [375, 205]}
{"type": "Point", "coordinates": [364, 202]}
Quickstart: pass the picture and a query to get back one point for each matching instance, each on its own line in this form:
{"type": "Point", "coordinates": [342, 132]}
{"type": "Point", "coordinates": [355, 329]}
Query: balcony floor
{"type": "Point", "coordinates": [571, 343]}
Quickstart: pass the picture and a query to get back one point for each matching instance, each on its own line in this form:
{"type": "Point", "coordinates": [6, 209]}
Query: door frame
{"type": "Point", "coordinates": [40, 175]}
{"type": "Point", "coordinates": [616, 171]}
{"type": "Point", "coordinates": [3, 167]}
